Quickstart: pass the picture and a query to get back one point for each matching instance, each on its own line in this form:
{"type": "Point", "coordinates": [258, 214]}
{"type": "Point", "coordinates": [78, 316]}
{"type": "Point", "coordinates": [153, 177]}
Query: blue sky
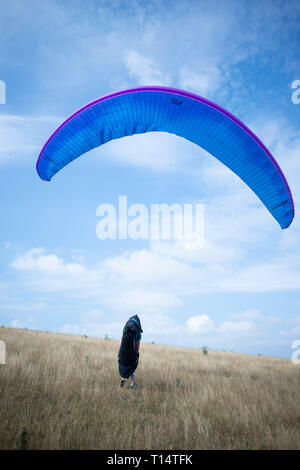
{"type": "Point", "coordinates": [241, 291]}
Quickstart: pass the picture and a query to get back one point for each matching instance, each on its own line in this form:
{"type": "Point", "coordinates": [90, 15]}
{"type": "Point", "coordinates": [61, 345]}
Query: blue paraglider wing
{"type": "Point", "coordinates": [147, 109]}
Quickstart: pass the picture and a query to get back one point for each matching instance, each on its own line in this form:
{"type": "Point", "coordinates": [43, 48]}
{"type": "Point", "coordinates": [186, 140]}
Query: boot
{"type": "Point", "coordinates": [123, 382]}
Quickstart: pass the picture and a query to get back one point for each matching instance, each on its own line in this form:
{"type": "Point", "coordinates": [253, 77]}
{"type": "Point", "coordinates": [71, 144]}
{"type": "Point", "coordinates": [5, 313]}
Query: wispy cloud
{"type": "Point", "coordinates": [21, 135]}
{"type": "Point", "coordinates": [144, 70]}
{"type": "Point", "coordinates": [205, 81]}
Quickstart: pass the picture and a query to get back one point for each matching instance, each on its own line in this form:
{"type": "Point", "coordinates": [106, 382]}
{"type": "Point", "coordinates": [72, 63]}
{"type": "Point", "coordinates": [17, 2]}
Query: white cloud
{"type": "Point", "coordinates": [200, 324]}
{"type": "Point", "coordinates": [39, 261]}
{"type": "Point", "coordinates": [24, 134]}
{"type": "Point", "coordinates": [276, 275]}
{"type": "Point", "coordinates": [157, 323]}
{"type": "Point", "coordinates": [204, 81]}
{"type": "Point", "coordinates": [147, 269]}
{"type": "Point", "coordinates": [144, 70]}
{"type": "Point", "coordinates": [153, 324]}
{"type": "Point", "coordinates": [293, 330]}
{"type": "Point", "coordinates": [17, 324]}
{"type": "Point", "coordinates": [155, 278]}
{"type": "Point", "coordinates": [197, 329]}
{"type": "Point", "coordinates": [153, 285]}
{"type": "Point", "coordinates": [226, 334]}
{"type": "Point", "coordinates": [23, 323]}
{"type": "Point", "coordinates": [158, 151]}
{"type": "Point", "coordinates": [138, 280]}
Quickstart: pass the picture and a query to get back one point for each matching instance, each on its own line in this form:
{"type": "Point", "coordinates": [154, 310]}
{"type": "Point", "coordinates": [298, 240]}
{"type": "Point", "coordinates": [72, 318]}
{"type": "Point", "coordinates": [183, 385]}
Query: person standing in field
{"type": "Point", "coordinates": [128, 356]}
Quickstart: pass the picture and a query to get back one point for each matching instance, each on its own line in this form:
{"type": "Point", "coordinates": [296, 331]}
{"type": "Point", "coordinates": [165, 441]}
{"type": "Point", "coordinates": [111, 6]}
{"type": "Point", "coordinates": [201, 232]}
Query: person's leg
{"type": "Point", "coordinates": [123, 380]}
{"type": "Point", "coordinates": [133, 384]}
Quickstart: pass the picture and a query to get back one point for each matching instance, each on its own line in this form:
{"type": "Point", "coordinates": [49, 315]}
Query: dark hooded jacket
{"type": "Point", "coordinates": [128, 356]}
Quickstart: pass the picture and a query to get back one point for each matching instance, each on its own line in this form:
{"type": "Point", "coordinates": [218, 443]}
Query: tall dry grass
{"type": "Point", "coordinates": [65, 391]}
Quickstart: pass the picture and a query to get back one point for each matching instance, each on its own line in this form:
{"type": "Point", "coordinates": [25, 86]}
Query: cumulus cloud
{"type": "Point", "coordinates": [200, 324]}
{"type": "Point", "coordinates": [155, 286]}
{"type": "Point", "coordinates": [250, 328]}
{"type": "Point", "coordinates": [155, 277]}
{"type": "Point", "coordinates": [197, 330]}
{"type": "Point", "coordinates": [38, 260]}
{"type": "Point", "coordinates": [203, 325]}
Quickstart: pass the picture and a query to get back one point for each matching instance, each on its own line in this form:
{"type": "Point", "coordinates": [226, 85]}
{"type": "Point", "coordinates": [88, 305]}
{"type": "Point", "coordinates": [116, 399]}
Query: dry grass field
{"type": "Point", "coordinates": [65, 391]}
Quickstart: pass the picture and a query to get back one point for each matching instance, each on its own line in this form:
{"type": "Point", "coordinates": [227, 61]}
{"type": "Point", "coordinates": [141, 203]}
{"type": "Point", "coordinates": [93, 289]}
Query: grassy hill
{"type": "Point", "coordinates": [65, 391]}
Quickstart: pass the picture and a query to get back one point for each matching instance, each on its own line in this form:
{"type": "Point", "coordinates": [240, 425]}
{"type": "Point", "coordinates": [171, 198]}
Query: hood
{"type": "Point", "coordinates": [134, 323]}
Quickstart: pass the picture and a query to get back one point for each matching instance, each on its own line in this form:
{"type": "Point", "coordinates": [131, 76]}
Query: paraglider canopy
{"type": "Point", "coordinates": [156, 108]}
